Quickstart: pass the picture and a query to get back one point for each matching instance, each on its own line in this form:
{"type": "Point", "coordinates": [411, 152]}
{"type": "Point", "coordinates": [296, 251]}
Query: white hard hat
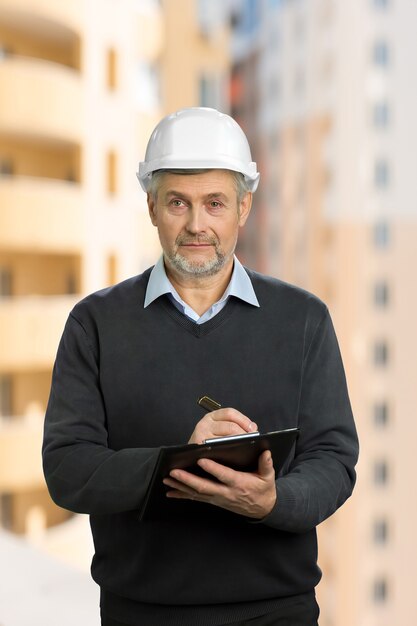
{"type": "Point", "coordinates": [198, 138]}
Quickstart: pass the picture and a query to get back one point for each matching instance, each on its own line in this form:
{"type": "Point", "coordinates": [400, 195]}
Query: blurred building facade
{"type": "Point", "coordinates": [195, 56]}
{"type": "Point", "coordinates": [83, 83]}
{"type": "Point", "coordinates": [71, 219]}
{"type": "Point", "coordinates": [324, 90]}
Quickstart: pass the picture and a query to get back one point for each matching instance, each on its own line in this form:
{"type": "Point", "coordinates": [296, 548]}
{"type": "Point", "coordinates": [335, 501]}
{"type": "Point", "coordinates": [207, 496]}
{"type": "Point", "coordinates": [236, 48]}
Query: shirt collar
{"type": "Point", "coordinates": [240, 285]}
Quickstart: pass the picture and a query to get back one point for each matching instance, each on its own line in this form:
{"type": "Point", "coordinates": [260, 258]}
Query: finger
{"type": "Point", "coordinates": [178, 490]}
{"type": "Point", "coordinates": [224, 429]}
{"type": "Point", "coordinates": [178, 486]}
{"type": "Point", "coordinates": [202, 486]}
{"type": "Point", "coordinates": [232, 415]}
{"type": "Point", "coordinates": [225, 475]}
{"type": "Point", "coordinates": [266, 465]}
{"type": "Point", "coordinates": [180, 495]}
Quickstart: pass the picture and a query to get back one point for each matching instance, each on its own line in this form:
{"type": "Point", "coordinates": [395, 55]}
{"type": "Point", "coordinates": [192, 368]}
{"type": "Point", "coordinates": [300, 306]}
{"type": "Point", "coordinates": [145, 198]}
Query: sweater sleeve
{"type": "Point", "coordinates": [82, 473]}
{"type": "Point", "coordinates": [321, 476]}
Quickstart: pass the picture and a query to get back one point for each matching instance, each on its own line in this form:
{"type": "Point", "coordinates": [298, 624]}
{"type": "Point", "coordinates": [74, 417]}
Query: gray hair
{"type": "Point", "coordinates": [242, 186]}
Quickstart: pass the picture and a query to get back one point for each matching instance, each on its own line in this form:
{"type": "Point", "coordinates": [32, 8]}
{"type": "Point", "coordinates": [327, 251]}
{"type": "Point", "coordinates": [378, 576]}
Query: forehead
{"type": "Point", "coordinates": [202, 183]}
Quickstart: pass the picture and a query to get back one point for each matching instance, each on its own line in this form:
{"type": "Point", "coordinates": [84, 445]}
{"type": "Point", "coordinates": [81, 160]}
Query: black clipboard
{"type": "Point", "coordinates": [238, 452]}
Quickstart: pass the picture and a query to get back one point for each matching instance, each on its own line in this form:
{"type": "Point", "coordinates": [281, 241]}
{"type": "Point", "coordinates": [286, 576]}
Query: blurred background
{"type": "Point", "coordinates": [326, 93]}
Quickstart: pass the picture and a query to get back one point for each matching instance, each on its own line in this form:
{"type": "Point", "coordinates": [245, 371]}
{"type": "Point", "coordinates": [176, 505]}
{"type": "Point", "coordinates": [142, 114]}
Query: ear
{"type": "Point", "coordinates": [151, 208]}
{"type": "Point", "coordinates": [244, 208]}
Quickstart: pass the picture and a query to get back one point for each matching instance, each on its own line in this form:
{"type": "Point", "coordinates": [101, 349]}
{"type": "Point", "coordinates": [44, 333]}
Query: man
{"type": "Point", "coordinates": [131, 364]}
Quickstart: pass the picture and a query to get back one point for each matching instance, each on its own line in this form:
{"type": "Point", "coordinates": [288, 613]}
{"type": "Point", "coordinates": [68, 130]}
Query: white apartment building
{"type": "Point", "coordinates": [336, 134]}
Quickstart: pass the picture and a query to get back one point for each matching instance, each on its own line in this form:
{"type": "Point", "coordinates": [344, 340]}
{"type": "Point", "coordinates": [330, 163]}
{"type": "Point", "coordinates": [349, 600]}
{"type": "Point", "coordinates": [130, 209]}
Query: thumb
{"type": "Point", "coordinates": [266, 465]}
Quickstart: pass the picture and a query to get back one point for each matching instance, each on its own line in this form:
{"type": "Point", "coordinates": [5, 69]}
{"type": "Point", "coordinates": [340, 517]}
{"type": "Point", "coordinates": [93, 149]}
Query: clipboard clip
{"type": "Point", "coordinates": [232, 437]}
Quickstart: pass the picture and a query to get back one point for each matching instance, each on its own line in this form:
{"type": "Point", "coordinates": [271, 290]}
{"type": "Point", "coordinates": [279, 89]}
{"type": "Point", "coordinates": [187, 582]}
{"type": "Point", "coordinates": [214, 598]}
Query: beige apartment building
{"type": "Point", "coordinates": [337, 214]}
{"type": "Point", "coordinates": [195, 56]}
{"type": "Point", "coordinates": [82, 84]}
{"type": "Point", "coordinates": [77, 100]}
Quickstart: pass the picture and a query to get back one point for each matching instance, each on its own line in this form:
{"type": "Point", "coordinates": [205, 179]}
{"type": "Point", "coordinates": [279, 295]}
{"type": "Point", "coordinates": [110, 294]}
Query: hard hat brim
{"type": "Point", "coordinates": [146, 169]}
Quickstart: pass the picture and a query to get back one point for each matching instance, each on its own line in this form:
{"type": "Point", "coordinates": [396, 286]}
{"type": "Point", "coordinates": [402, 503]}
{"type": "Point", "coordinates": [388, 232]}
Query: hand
{"type": "Point", "coordinates": [250, 494]}
{"type": "Point", "coordinates": [221, 423]}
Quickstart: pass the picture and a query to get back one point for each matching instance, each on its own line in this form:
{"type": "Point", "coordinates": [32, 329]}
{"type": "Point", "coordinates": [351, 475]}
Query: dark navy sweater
{"type": "Point", "coordinates": [126, 381]}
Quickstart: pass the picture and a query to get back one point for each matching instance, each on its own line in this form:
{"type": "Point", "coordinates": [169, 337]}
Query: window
{"type": "Point", "coordinates": [5, 282]}
{"type": "Point", "coordinates": [381, 294]}
{"type": "Point", "coordinates": [380, 532]}
{"type": "Point", "coordinates": [111, 69]}
{"type": "Point", "coordinates": [274, 38]}
{"type": "Point", "coordinates": [327, 67]}
{"type": "Point", "coordinates": [6, 511]}
{"type": "Point", "coordinates": [380, 54]}
{"type": "Point", "coordinates": [112, 269]}
{"type": "Point", "coordinates": [381, 235]}
{"type": "Point", "coordinates": [6, 167]}
{"type": "Point", "coordinates": [210, 88]}
{"type": "Point", "coordinates": [381, 174]}
{"type": "Point", "coordinates": [71, 284]}
{"type": "Point", "coordinates": [299, 28]}
{"type": "Point", "coordinates": [205, 96]}
{"type": "Point", "coordinates": [380, 590]}
{"type": "Point", "coordinates": [273, 196]}
{"type": "Point", "coordinates": [299, 81]}
{"type": "Point", "coordinates": [381, 414]}
{"type": "Point", "coordinates": [380, 353]}
{"type": "Point", "coordinates": [274, 140]}
{"type": "Point", "coordinates": [5, 52]}
{"type": "Point", "coordinates": [211, 16]}
{"type": "Point", "coordinates": [301, 187]}
{"type": "Point", "coordinates": [147, 86]}
{"type": "Point", "coordinates": [274, 88]}
{"type": "Point", "coordinates": [251, 16]}
{"type": "Point", "coordinates": [380, 473]}
{"type": "Point", "coordinates": [381, 115]}
{"type": "Point", "coordinates": [71, 176]}
{"type": "Point", "coordinates": [5, 395]}
{"type": "Point", "coordinates": [111, 173]}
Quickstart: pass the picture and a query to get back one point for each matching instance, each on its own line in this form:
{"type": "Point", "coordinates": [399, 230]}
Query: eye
{"type": "Point", "coordinates": [176, 205]}
{"type": "Point", "coordinates": [215, 204]}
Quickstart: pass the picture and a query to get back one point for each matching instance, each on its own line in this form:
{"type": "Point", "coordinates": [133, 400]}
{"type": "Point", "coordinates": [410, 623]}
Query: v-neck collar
{"type": "Point", "coordinates": [199, 330]}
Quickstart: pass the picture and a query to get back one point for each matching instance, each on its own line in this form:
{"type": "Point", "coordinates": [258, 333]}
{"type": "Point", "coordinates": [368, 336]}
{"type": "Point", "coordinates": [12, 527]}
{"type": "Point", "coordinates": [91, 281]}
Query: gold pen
{"type": "Point", "coordinates": [211, 405]}
{"type": "Point", "coordinates": [208, 404]}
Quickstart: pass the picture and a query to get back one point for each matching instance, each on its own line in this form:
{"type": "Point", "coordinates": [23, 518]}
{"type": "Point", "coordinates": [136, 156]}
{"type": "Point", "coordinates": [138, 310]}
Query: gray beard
{"type": "Point", "coordinates": [194, 268]}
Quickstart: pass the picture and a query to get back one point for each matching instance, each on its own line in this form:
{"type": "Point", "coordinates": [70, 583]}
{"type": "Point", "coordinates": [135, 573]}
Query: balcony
{"type": "Point", "coordinates": [41, 214]}
{"type": "Point", "coordinates": [52, 20]}
{"type": "Point", "coordinates": [41, 99]}
{"type": "Point", "coordinates": [20, 463]}
{"type": "Point", "coordinates": [30, 329]}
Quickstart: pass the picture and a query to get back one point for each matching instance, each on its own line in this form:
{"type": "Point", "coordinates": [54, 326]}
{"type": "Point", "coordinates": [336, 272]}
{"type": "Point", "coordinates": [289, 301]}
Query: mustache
{"type": "Point", "coordinates": [184, 240]}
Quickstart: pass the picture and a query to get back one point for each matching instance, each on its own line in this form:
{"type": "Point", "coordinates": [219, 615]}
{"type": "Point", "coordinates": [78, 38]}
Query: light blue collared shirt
{"type": "Point", "coordinates": [240, 286]}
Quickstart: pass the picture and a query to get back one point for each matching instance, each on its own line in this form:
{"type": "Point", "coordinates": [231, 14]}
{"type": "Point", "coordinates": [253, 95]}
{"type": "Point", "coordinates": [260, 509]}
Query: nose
{"type": "Point", "coordinates": [195, 222]}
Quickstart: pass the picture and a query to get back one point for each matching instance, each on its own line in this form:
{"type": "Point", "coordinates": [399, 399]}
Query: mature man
{"type": "Point", "coordinates": [131, 364]}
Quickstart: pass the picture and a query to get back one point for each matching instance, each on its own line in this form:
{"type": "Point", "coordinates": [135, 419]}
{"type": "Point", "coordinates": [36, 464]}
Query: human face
{"type": "Point", "coordinates": [198, 219]}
